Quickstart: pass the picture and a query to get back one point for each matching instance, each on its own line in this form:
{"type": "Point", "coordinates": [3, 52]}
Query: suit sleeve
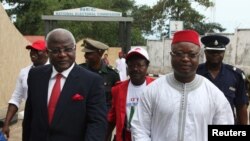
{"type": "Point", "coordinates": [241, 91]}
{"type": "Point", "coordinates": [111, 112]}
{"type": "Point", "coordinates": [27, 113]}
{"type": "Point", "coordinates": [96, 112]}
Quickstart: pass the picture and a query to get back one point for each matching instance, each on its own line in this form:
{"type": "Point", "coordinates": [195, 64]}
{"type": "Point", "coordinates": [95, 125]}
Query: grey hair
{"type": "Point", "coordinates": [61, 30]}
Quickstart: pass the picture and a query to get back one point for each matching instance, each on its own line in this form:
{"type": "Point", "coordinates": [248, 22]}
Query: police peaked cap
{"type": "Point", "coordinates": [215, 42]}
{"type": "Point", "coordinates": [91, 45]}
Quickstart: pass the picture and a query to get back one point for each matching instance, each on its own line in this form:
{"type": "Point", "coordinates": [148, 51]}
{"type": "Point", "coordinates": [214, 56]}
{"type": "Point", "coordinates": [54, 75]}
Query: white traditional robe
{"type": "Point", "coordinates": [172, 111]}
{"type": "Point", "coordinates": [121, 66]}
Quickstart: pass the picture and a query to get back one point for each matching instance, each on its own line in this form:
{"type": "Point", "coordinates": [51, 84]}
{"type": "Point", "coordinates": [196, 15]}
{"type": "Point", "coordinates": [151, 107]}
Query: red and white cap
{"type": "Point", "coordinates": [138, 51]}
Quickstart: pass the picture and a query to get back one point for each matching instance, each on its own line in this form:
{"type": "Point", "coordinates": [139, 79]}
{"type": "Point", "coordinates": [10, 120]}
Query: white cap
{"type": "Point", "coordinates": [138, 50]}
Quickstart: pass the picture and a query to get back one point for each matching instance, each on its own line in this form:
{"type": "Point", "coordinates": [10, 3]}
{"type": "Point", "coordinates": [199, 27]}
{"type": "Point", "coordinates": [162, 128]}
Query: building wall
{"type": "Point", "coordinates": [13, 56]}
{"type": "Point", "coordinates": [242, 59]}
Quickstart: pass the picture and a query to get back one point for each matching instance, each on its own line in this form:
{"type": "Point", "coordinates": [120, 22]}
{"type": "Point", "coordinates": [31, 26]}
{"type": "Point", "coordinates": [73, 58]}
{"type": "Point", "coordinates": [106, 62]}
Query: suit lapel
{"type": "Point", "coordinates": [44, 81]}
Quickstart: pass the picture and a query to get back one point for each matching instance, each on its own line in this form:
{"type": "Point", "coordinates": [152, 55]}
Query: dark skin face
{"type": "Point", "coordinates": [38, 57]}
{"type": "Point", "coordinates": [94, 59]}
{"type": "Point", "coordinates": [61, 50]}
{"type": "Point", "coordinates": [137, 70]}
{"type": "Point", "coordinates": [120, 55]}
{"type": "Point", "coordinates": [185, 60]}
{"type": "Point", "coordinates": [214, 58]}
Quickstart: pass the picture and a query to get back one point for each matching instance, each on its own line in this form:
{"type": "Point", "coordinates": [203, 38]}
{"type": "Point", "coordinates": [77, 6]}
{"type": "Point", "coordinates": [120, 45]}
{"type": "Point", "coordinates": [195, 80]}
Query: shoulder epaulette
{"type": "Point", "coordinates": [237, 70]}
{"type": "Point", "coordinates": [112, 68]}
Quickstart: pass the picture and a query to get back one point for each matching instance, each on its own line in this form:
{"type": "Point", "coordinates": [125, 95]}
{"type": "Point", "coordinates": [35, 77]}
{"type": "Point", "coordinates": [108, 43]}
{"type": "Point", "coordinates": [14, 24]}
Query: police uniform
{"type": "Point", "coordinates": [108, 73]}
{"type": "Point", "coordinates": [230, 80]}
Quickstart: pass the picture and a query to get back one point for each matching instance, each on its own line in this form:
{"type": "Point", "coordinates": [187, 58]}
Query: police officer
{"type": "Point", "coordinates": [93, 55]}
{"type": "Point", "coordinates": [229, 79]}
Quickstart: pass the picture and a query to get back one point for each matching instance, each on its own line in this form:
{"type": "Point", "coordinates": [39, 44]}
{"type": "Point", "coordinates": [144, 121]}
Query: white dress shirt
{"type": "Point", "coordinates": [52, 80]}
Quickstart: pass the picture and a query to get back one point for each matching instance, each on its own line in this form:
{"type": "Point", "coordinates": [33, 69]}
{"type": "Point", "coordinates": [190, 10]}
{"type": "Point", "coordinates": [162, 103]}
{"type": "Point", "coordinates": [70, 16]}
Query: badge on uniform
{"type": "Point", "coordinates": [232, 89]}
{"type": "Point", "coordinates": [216, 43]}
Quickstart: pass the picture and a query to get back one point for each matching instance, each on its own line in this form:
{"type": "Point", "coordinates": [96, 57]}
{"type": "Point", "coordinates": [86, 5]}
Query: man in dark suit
{"type": "Point", "coordinates": [65, 101]}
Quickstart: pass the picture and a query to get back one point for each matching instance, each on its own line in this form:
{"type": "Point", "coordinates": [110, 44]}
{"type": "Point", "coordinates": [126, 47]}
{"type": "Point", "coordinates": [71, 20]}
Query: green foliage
{"type": "Point", "coordinates": [181, 10]}
{"type": "Point", "coordinates": [142, 18]}
{"type": "Point", "coordinates": [136, 38]}
{"type": "Point", "coordinates": [29, 20]}
{"type": "Point", "coordinates": [146, 19]}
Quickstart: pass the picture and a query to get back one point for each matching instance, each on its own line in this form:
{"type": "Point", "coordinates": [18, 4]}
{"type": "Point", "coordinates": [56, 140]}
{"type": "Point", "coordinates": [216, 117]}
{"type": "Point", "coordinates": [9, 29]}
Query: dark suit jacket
{"type": "Point", "coordinates": [74, 120]}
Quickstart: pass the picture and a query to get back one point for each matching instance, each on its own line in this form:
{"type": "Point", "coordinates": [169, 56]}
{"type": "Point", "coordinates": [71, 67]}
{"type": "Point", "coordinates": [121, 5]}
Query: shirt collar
{"type": "Point", "coordinates": [47, 62]}
{"type": "Point", "coordinates": [65, 73]}
{"type": "Point", "coordinates": [222, 69]}
{"type": "Point", "coordinates": [44, 64]}
{"type": "Point", "coordinates": [103, 68]}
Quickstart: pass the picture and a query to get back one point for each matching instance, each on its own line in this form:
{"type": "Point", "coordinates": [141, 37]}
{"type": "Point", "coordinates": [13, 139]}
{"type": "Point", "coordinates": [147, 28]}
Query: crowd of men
{"type": "Point", "coordinates": [65, 101]}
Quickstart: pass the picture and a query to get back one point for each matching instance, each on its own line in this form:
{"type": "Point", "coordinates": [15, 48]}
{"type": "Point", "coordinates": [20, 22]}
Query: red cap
{"type": "Point", "coordinates": [38, 45]}
{"type": "Point", "coordinates": [186, 36]}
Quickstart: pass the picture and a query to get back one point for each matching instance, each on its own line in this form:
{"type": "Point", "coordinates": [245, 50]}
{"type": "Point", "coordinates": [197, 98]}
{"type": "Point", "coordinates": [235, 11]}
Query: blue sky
{"type": "Point", "coordinates": [231, 14]}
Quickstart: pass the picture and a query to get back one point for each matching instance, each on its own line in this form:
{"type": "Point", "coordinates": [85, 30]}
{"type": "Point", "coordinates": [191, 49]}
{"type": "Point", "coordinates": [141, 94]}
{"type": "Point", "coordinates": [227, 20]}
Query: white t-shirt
{"type": "Point", "coordinates": [133, 96]}
{"type": "Point", "coordinates": [21, 89]}
{"type": "Point", "coordinates": [20, 92]}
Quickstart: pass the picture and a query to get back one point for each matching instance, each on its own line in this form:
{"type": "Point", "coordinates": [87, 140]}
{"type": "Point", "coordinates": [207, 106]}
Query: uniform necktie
{"type": "Point", "coordinates": [54, 97]}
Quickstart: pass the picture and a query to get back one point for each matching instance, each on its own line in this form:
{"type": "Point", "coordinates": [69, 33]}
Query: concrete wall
{"type": "Point", "coordinates": [237, 53]}
{"type": "Point", "coordinates": [242, 59]}
{"type": "Point", "coordinates": [13, 56]}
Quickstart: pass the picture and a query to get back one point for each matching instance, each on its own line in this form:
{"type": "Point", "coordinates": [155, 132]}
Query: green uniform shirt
{"type": "Point", "coordinates": [110, 76]}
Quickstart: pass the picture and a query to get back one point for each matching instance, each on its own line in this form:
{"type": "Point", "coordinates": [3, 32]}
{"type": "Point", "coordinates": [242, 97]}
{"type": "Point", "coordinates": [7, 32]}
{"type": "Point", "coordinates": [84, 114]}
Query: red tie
{"type": "Point", "coordinates": [54, 97]}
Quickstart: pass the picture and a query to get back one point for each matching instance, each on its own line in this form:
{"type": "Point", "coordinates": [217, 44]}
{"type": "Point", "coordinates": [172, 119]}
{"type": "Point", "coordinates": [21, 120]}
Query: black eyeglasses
{"type": "Point", "coordinates": [182, 55]}
{"type": "Point", "coordinates": [59, 50]}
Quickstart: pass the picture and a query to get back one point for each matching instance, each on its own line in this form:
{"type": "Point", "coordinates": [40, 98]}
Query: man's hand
{"type": "Point", "coordinates": [6, 130]}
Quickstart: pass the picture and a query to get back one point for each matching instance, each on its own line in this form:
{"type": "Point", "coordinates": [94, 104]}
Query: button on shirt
{"type": "Point", "coordinates": [230, 82]}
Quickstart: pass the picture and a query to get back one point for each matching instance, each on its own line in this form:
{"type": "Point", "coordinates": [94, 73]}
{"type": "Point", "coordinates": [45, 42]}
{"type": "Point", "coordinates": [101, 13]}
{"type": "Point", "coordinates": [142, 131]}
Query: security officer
{"type": "Point", "coordinates": [229, 79]}
{"type": "Point", "coordinates": [93, 55]}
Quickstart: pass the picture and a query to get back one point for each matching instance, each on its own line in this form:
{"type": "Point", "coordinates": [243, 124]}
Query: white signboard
{"type": "Point", "coordinates": [88, 11]}
{"type": "Point", "coordinates": [174, 26]}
